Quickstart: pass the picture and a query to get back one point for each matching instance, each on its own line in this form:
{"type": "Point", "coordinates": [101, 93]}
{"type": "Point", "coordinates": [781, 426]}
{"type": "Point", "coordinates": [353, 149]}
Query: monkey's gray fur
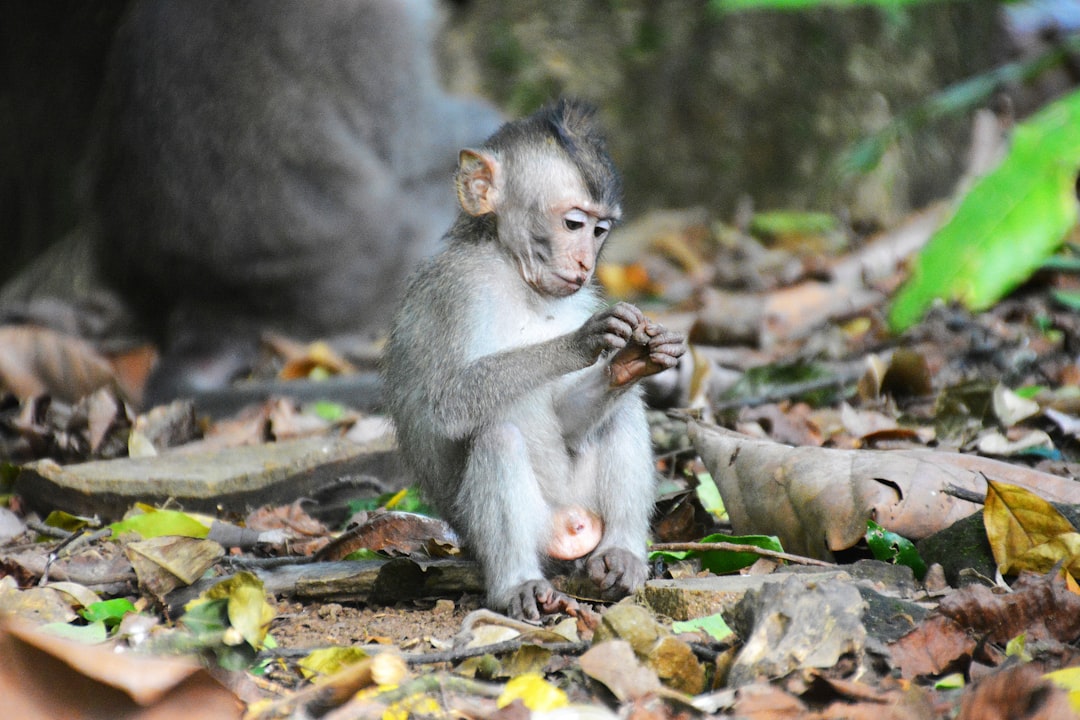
{"type": "Point", "coordinates": [499, 368]}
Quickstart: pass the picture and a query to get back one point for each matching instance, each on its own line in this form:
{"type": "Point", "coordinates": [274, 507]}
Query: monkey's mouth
{"type": "Point", "coordinates": [571, 283]}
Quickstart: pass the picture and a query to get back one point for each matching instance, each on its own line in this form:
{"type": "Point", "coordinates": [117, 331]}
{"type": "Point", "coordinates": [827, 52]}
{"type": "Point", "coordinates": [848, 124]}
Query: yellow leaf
{"type": "Point", "coordinates": [537, 693]}
{"type": "Point", "coordinates": [327, 661]}
{"type": "Point", "coordinates": [1017, 520]}
{"type": "Point", "coordinates": [413, 706]}
{"type": "Point", "coordinates": [250, 614]}
{"type": "Point", "coordinates": [1068, 680]}
{"type": "Point", "coordinates": [1070, 583]}
{"type": "Point", "coordinates": [1017, 647]}
{"type": "Point", "coordinates": [1042, 558]}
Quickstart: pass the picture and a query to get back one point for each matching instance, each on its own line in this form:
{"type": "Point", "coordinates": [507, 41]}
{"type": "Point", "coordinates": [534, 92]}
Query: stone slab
{"type": "Point", "coordinates": [231, 480]}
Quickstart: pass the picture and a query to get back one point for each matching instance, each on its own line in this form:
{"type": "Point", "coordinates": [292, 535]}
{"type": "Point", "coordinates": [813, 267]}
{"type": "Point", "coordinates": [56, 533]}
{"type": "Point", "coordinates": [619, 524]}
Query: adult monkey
{"type": "Point", "coordinates": [270, 164]}
{"type": "Point", "coordinates": [512, 389]}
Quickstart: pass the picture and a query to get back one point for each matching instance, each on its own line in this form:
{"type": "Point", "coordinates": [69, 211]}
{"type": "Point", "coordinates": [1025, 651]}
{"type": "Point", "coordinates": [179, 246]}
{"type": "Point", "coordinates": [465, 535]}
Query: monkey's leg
{"type": "Point", "coordinates": [625, 494]}
{"type": "Point", "coordinates": [506, 521]}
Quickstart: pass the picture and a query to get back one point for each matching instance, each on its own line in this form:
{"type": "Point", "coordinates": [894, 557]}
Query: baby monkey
{"type": "Point", "coordinates": [512, 387]}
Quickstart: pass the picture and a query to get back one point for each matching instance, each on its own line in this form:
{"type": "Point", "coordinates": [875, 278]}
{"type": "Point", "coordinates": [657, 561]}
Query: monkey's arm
{"type": "Point", "coordinates": [585, 404]}
{"type": "Point", "coordinates": [474, 393]}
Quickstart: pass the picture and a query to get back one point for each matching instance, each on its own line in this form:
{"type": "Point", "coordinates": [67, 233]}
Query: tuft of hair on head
{"type": "Point", "coordinates": [572, 123]}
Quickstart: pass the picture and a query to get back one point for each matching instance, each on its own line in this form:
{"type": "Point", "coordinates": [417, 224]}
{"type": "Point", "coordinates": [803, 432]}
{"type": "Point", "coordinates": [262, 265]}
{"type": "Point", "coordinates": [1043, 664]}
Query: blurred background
{"type": "Point", "coordinates": [191, 177]}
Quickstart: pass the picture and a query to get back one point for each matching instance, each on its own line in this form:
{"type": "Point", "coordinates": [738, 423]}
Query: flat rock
{"type": "Point", "coordinates": [688, 598]}
{"type": "Point", "coordinates": [231, 480]}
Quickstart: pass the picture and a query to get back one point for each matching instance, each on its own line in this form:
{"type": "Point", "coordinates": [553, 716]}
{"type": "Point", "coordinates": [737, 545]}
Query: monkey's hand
{"type": "Point", "coordinates": [609, 329]}
{"type": "Point", "coordinates": [652, 348]}
{"type": "Point", "coordinates": [617, 572]}
{"type": "Point", "coordinates": [534, 598]}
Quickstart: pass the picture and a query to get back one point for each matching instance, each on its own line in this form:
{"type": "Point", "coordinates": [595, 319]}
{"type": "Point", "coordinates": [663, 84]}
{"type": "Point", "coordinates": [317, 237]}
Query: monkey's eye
{"type": "Point", "coordinates": [602, 228]}
{"type": "Point", "coordinates": [575, 220]}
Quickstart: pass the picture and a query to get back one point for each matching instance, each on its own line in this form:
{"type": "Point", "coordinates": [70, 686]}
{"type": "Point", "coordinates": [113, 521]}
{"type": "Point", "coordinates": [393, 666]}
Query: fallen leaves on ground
{"type": "Point", "coordinates": [818, 500]}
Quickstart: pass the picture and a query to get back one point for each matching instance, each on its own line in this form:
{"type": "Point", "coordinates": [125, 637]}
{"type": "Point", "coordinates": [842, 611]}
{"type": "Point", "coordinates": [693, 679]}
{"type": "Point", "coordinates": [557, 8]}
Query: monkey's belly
{"type": "Point", "coordinates": [575, 532]}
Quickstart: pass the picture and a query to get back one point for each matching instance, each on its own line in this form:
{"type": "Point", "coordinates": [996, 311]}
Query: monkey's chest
{"type": "Point", "coordinates": [512, 322]}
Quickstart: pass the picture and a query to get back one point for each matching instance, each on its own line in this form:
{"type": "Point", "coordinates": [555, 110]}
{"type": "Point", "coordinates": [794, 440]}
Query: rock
{"type": "Point", "coordinates": [231, 480]}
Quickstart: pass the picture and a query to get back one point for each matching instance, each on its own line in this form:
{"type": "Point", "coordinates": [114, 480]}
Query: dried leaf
{"type": "Point", "coordinates": [1040, 606]}
{"type": "Point", "coordinates": [40, 361]}
{"type": "Point", "coordinates": [1015, 692]}
{"type": "Point", "coordinates": [394, 533]}
{"type": "Point", "coordinates": [932, 647]}
{"type": "Point", "coordinates": [1017, 520]}
{"type": "Point", "coordinates": [318, 357]}
{"type": "Point", "coordinates": [1010, 408]}
{"type": "Point", "coordinates": [47, 677]}
{"type": "Point", "coordinates": [163, 564]}
{"type": "Point", "coordinates": [614, 664]}
{"type": "Point", "coordinates": [818, 500]}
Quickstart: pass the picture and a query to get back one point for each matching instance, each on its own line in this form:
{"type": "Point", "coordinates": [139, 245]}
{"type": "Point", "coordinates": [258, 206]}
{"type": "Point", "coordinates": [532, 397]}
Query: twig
{"type": "Point", "coordinates": [42, 529]}
{"type": "Point", "coordinates": [459, 654]}
{"type": "Point", "coordinates": [446, 656]}
{"type": "Point", "coordinates": [736, 547]}
{"type": "Point", "coordinates": [964, 494]}
{"type": "Point", "coordinates": [843, 380]}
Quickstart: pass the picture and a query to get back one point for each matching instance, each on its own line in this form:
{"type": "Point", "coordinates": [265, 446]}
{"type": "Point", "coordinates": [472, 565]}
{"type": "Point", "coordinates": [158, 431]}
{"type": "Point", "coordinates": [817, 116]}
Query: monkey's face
{"type": "Point", "coordinates": [565, 229]}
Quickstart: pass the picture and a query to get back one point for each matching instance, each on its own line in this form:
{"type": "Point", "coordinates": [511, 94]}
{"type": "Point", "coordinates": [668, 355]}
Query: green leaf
{"type": "Point", "coordinates": [709, 495]}
{"type": "Point", "coordinates": [890, 547]}
{"type": "Point", "coordinates": [791, 222]}
{"type": "Point", "coordinates": [721, 562]}
{"type": "Point", "coordinates": [110, 612]}
{"type": "Point", "coordinates": [157, 523]}
{"type": "Point", "coordinates": [407, 500]}
{"type": "Point", "coordinates": [8, 473]}
{"type": "Point", "coordinates": [955, 681]}
{"type": "Point", "coordinates": [714, 625]}
{"type": "Point", "coordinates": [1069, 300]}
{"type": "Point", "coordinates": [246, 610]}
{"type": "Point", "coordinates": [206, 618]}
{"type": "Point", "coordinates": [1006, 227]}
{"type": "Point", "coordinates": [66, 521]}
{"type": "Point", "coordinates": [327, 410]}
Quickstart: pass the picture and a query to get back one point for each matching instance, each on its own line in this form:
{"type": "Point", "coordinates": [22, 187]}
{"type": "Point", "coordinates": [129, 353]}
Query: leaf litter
{"type": "Point", "coordinates": [781, 479]}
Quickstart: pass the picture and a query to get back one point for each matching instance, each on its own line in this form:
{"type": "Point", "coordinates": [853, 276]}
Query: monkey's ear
{"type": "Point", "coordinates": [478, 182]}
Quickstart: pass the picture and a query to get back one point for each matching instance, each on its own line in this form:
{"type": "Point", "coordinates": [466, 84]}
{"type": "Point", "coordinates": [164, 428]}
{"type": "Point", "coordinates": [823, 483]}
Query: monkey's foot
{"type": "Point", "coordinates": [534, 598]}
{"type": "Point", "coordinates": [618, 572]}
{"type": "Point", "coordinates": [575, 532]}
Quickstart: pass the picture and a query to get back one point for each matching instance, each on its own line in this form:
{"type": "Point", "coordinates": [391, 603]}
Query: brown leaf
{"type": "Point", "coordinates": [303, 534]}
{"type": "Point", "coordinates": [393, 532]}
{"type": "Point", "coordinates": [1016, 693]}
{"type": "Point", "coordinates": [316, 356]}
{"type": "Point", "coordinates": [163, 564]}
{"type": "Point", "coordinates": [817, 500]}
{"type": "Point", "coordinates": [932, 647]}
{"type": "Point", "coordinates": [44, 677]}
{"type": "Point", "coordinates": [37, 361]}
{"type": "Point", "coordinates": [614, 664]}
{"type": "Point", "coordinates": [765, 702]}
{"type": "Point", "coordinates": [1040, 606]}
